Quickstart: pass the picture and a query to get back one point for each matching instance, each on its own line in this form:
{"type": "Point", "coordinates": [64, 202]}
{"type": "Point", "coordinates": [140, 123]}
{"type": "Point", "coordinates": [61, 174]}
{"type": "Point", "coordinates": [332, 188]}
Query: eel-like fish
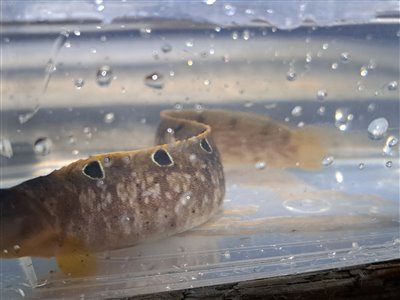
{"type": "Point", "coordinates": [119, 199]}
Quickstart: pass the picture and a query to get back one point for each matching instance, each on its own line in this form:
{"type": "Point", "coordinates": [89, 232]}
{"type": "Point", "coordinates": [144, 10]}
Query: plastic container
{"type": "Point", "coordinates": [77, 80]}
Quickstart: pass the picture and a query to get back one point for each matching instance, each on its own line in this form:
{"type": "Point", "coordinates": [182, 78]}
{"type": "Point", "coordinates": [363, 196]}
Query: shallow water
{"type": "Point", "coordinates": [99, 94]}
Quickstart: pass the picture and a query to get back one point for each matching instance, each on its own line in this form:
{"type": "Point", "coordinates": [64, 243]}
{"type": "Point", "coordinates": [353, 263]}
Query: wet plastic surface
{"type": "Point", "coordinates": [274, 222]}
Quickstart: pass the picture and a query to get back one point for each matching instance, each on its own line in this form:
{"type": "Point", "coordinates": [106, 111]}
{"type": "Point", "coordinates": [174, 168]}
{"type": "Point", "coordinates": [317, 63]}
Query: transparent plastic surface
{"type": "Point", "coordinates": [90, 89]}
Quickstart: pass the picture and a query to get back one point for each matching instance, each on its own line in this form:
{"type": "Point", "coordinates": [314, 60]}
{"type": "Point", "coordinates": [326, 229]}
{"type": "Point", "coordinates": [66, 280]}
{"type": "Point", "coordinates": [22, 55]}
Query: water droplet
{"type": "Point", "coordinates": [321, 111]}
{"type": "Point", "coordinates": [198, 107]}
{"type": "Point", "coordinates": [227, 255]}
{"type": "Point", "coordinates": [392, 86]}
{"type": "Point", "coordinates": [209, 2]}
{"type": "Point", "coordinates": [297, 111]}
{"type": "Point", "coordinates": [392, 141]}
{"type": "Point", "coordinates": [291, 75]}
{"type": "Point", "coordinates": [29, 115]}
{"type": "Point", "coordinates": [327, 161]}
{"type": "Point", "coordinates": [229, 9]}
{"type": "Point", "coordinates": [363, 71]}
{"type": "Point", "coordinates": [377, 128]}
{"type": "Point", "coordinates": [389, 164]}
{"type": "Point", "coordinates": [67, 44]}
{"type": "Point", "coordinates": [42, 146]}
{"type": "Point", "coordinates": [371, 107]}
{"type": "Point", "coordinates": [75, 152]}
{"type": "Point", "coordinates": [178, 106]}
{"type": "Point", "coordinates": [77, 32]}
{"type": "Point", "coordinates": [104, 76]}
{"type": "Point", "coordinates": [79, 83]}
{"type": "Point", "coordinates": [345, 57]}
{"type": "Point", "coordinates": [189, 43]}
{"type": "Point", "coordinates": [260, 165]}
{"type": "Point", "coordinates": [246, 35]}
{"type": "Point", "coordinates": [308, 57]}
{"type": "Point", "coordinates": [185, 198]}
{"type": "Point", "coordinates": [109, 118]}
{"type": "Point", "coordinates": [154, 80]}
{"type": "Point", "coordinates": [145, 32]}
{"type": "Point", "coordinates": [17, 247]}
{"type": "Point", "coordinates": [339, 177]}
{"type": "Point", "coordinates": [190, 62]}
{"type": "Point", "coordinates": [166, 48]}
{"type": "Point", "coordinates": [322, 94]}
{"type": "Point", "coordinates": [343, 119]}
{"type": "Point", "coordinates": [361, 166]}
{"type": "Point", "coordinates": [325, 46]}
{"type": "Point", "coordinates": [207, 82]}
{"type": "Point", "coordinates": [334, 66]}
{"type": "Point", "coordinates": [6, 148]}
{"type": "Point", "coordinates": [235, 35]}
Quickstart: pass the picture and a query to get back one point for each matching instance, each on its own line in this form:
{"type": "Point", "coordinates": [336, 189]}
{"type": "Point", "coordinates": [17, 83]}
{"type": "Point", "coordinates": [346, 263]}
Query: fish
{"type": "Point", "coordinates": [120, 199]}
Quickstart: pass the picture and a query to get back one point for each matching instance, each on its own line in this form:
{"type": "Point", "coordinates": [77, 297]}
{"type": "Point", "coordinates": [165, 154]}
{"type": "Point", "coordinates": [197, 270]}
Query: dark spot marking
{"type": "Point", "coordinates": [162, 158]}
{"type": "Point", "coordinates": [93, 170]}
{"type": "Point", "coordinates": [166, 216]}
{"type": "Point", "coordinates": [205, 146]}
{"type": "Point", "coordinates": [193, 211]}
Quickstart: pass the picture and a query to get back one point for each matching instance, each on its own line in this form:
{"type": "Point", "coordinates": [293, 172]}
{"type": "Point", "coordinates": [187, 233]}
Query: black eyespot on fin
{"type": "Point", "coordinates": [93, 170]}
{"type": "Point", "coordinates": [205, 146]}
{"type": "Point", "coordinates": [162, 158]}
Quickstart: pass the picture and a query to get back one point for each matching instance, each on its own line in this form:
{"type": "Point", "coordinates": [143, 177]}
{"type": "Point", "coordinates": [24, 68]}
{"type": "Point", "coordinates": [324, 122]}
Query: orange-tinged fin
{"type": "Point", "coordinates": [75, 259]}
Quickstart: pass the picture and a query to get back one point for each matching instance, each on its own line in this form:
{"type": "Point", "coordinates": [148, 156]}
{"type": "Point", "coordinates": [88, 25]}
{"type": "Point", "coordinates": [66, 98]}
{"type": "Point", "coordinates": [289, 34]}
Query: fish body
{"type": "Point", "coordinates": [120, 199]}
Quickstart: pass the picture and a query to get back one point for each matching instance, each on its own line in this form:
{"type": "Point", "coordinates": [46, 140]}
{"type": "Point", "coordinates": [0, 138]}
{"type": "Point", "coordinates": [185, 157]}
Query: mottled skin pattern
{"type": "Point", "coordinates": [138, 199]}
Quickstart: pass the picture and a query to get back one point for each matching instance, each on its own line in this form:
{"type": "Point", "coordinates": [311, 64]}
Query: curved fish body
{"type": "Point", "coordinates": [119, 199]}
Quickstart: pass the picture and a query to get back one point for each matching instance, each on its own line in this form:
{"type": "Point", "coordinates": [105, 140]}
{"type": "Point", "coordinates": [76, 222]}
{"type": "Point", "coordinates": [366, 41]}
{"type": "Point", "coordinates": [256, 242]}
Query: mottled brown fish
{"type": "Point", "coordinates": [119, 199]}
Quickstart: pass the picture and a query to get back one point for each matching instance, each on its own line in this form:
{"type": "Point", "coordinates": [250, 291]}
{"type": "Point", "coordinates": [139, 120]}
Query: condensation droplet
{"type": "Point", "coordinates": [371, 107]}
{"type": "Point", "coordinates": [190, 62]}
{"type": "Point", "coordinates": [334, 66]}
{"type": "Point", "coordinates": [297, 111]}
{"type": "Point", "coordinates": [389, 164]}
{"type": "Point", "coordinates": [166, 48]}
{"type": "Point", "coordinates": [378, 128]}
{"type": "Point", "coordinates": [339, 176]}
{"type": "Point", "coordinates": [260, 165]}
{"type": "Point", "coordinates": [6, 148]}
{"type": "Point", "coordinates": [291, 75]}
{"type": "Point", "coordinates": [178, 106]}
{"type": "Point", "coordinates": [321, 110]}
{"type": "Point", "coordinates": [343, 119]}
{"type": "Point", "coordinates": [327, 161]}
{"type": "Point", "coordinates": [189, 43]}
{"type": "Point", "coordinates": [104, 76]}
{"type": "Point", "coordinates": [227, 254]}
{"type": "Point", "coordinates": [345, 57]}
{"type": "Point", "coordinates": [79, 83]}
{"type": "Point", "coordinates": [361, 166]}
{"type": "Point", "coordinates": [198, 107]}
{"type": "Point", "coordinates": [75, 152]}
{"type": "Point", "coordinates": [185, 198]}
{"type": "Point", "coordinates": [229, 10]}
{"type": "Point", "coordinates": [363, 71]}
{"type": "Point", "coordinates": [109, 118]}
{"type": "Point", "coordinates": [392, 86]}
{"type": "Point", "coordinates": [308, 57]}
{"type": "Point", "coordinates": [154, 80]}
{"type": "Point", "coordinates": [42, 146]}
{"type": "Point", "coordinates": [209, 2]}
{"type": "Point", "coordinates": [248, 104]}
{"type": "Point", "coordinates": [322, 94]}
{"type": "Point", "coordinates": [246, 35]}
